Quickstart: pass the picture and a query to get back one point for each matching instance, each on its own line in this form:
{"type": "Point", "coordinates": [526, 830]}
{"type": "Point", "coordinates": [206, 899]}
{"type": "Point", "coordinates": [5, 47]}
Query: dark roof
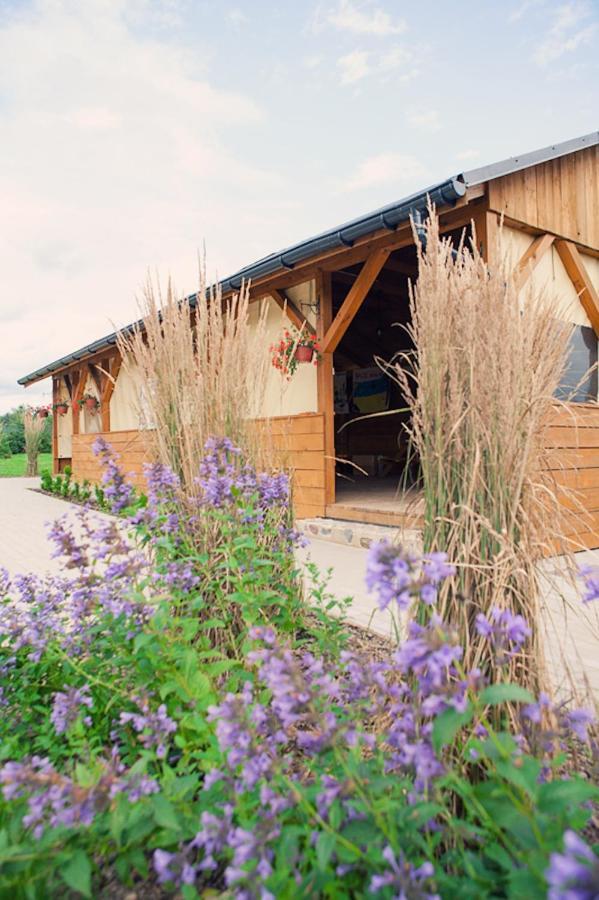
{"type": "Point", "coordinates": [390, 217]}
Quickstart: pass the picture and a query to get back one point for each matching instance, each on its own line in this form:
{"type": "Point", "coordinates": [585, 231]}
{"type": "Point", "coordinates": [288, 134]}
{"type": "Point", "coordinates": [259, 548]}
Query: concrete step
{"type": "Point", "coordinates": [359, 534]}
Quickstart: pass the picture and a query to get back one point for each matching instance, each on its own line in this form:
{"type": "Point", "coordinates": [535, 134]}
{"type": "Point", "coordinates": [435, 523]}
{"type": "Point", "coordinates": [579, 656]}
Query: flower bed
{"type": "Point", "coordinates": [173, 715]}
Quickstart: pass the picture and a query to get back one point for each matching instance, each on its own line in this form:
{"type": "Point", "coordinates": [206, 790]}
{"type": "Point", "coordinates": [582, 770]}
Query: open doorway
{"type": "Point", "coordinates": [377, 473]}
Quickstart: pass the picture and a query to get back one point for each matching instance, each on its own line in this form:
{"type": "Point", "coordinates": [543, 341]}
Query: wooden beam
{"type": "Point", "coordinates": [291, 310]}
{"type": "Point", "coordinates": [531, 258]}
{"type": "Point", "coordinates": [574, 266]}
{"type": "Point", "coordinates": [96, 377]}
{"type": "Point", "coordinates": [77, 396]}
{"type": "Point", "coordinates": [354, 299]}
{"type": "Point", "coordinates": [69, 384]}
{"type": "Point", "coordinates": [111, 375]}
{"type": "Point", "coordinates": [55, 389]}
{"type": "Point", "coordinates": [325, 377]}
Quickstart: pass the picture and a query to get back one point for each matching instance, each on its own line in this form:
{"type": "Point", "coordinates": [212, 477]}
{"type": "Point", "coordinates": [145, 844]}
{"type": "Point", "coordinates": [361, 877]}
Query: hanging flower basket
{"type": "Point", "coordinates": [61, 408]}
{"type": "Point", "coordinates": [89, 402]}
{"type": "Point", "coordinates": [304, 353]}
{"type": "Point", "coordinates": [293, 348]}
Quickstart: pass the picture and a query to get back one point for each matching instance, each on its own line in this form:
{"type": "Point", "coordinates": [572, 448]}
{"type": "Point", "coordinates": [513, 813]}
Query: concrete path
{"type": "Point", "coordinates": [25, 515]}
{"type": "Point", "coordinates": [570, 625]}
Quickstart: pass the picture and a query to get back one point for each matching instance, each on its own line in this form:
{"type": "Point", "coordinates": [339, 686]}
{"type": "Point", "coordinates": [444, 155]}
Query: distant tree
{"type": "Point", "coordinates": [11, 424]}
{"type": "Point", "coordinates": [5, 451]}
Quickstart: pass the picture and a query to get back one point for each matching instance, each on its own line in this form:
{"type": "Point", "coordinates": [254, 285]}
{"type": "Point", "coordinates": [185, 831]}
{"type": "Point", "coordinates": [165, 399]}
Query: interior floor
{"type": "Point", "coordinates": [379, 501]}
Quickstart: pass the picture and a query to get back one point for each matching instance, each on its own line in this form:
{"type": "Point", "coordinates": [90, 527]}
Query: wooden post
{"type": "Point", "coordinates": [77, 395]}
{"type": "Point", "coordinates": [325, 382]}
{"type": "Point", "coordinates": [55, 389]}
{"type": "Point", "coordinates": [112, 367]}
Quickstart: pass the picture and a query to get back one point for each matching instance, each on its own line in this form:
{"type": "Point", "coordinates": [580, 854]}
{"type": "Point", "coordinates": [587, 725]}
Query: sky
{"type": "Point", "coordinates": [135, 133]}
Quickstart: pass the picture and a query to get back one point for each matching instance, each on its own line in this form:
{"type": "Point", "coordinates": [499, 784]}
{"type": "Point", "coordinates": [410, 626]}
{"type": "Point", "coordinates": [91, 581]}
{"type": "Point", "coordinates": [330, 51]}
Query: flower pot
{"type": "Point", "coordinates": [304, 354]}
{"type": "Point", "coordinates": [91, 404]}
{"type": "Point", "coordinates": [42, 413]}
{"type": "Point", "coordinates": [61, 409]}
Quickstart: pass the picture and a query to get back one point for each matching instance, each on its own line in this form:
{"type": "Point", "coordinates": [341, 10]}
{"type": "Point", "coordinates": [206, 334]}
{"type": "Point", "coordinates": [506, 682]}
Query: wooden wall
{"type": "Point", "coordinates": [560, 196]}
{"type": "Point", "coordinates": [573, 459]}
{"type": "Point", "coordinates": [131, 447]}
{"type": "Point", "coordinates": [298, 442]}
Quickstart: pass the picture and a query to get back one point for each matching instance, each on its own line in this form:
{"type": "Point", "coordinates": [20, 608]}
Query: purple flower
{"type": "Point", "coordinates": [393, 576]}
{"type": "Point", "coordinates": [578, 722]}
{"type": "Point", "coordinates": [406, 879]}
{"type": "Point", "coordinates": [154, 728]}
{"type": "Point", "coordinates": [67, 705]}
{"type": "Point", "coordinates": [505, 631]}
{"type": "Point", "coordinates": [117, 492]}
{"type": "Point", "coordinates": [590, 575]}
{"type": "Point", "coordinates": [55, 799]}
{"type": "Point", "coordinates": [573, 874]}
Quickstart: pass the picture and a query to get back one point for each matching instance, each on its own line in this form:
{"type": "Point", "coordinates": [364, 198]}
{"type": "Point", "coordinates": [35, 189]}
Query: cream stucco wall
{"type": "Point", "coordinates": [64, 424]}
{"type": "Point", "coordinates": [124, 413]}
{"type": "Point", "coordinates": [299, 394]}
{"type": "Point", "coordinates": [549, 276]}
{"type": "Point", "coordinates": [90, 422]}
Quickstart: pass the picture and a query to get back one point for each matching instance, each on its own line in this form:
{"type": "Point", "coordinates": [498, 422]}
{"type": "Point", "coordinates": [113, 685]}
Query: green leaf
{"type": "Point", "coordinates": [447, 725]}
{"type": "Point", "coordinates": [164, 813]}
{"type": "Point", "coordinates": [556, 796]}
{"type": "Point", "coordinates": [505, 693]}
{"type": "Point", "coordinates": [78, 873]}
{"type": "Point", "coordinates": [324, 848]}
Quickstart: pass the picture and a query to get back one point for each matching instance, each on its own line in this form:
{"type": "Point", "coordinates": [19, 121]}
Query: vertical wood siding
{"type": "Point", "coordinates": [560, 196]}
{"type": "Point", "coordinates": [297, 440]}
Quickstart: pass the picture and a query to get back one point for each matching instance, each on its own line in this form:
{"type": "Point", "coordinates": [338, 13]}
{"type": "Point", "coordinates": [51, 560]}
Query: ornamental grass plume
{"type": "Point", "coordinates": [201, 366]}
{"type": "Point", "coordinates": [480, 386]}
{"type": "Point", "coordinates": [34, 427]}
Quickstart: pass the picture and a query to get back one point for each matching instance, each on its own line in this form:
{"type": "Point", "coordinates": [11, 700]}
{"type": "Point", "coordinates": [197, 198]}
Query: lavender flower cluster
{"type": "Point", "coordinates": [56, 800]}
{"type": "Point", "coordinates": [117, 491]}
{"type": "Point", "coordinates": [67, 706]}
{"type": "Point", "coordinates": [400, 578]}
{"type": "Point", "coordinates": [154, 728]}
{"type": "Point", "coordinates": [297, 702]}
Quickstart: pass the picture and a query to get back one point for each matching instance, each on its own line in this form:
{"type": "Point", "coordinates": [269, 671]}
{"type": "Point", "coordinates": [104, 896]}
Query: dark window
{"type": "Point", "coordinates": [577, 383]}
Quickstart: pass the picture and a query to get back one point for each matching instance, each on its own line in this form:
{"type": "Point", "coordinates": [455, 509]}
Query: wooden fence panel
{"type": "Point", "coordinates": [298, 442]}
{"type": "Point", "coordinates": [572, 439]}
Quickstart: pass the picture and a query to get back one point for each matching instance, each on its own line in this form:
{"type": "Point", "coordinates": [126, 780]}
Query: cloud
{"type": "Point", "coordinates": [569, 30]}
{"type": "Point", "coordinates": [236, 17]}
{"type": "Point", "coordinates": [360, 64]}
{"type": "Point", "coordinates": [354, 66]}
{"type": "Point", "coordinates": [117, 153]}
{"type": "Point", "coordinates": [358, 18]}
{"type": "Point", "coordinates": [520, 11]}
{"type": "Point", "coordinates": [395, 169]}
{"type": "Point", "coordinates": [465, 155]}
{"type": "Point", "coordinates": [424, 119]}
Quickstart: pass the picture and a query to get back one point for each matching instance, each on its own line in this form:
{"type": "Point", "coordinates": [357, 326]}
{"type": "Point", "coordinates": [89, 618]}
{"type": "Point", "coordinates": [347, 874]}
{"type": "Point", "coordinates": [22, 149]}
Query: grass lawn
{"type": "Point", "coordinates": [15, 466]}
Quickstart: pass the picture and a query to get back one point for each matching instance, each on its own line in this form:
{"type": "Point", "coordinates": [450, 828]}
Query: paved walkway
{"type": "Point", "coordinates": [570, 626]}
{"type": "Point", "coordinates": [25, 515]}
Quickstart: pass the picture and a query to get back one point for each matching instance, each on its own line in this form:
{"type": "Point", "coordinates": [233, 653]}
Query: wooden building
{"type": "Point", "coordinates": [350, 285]}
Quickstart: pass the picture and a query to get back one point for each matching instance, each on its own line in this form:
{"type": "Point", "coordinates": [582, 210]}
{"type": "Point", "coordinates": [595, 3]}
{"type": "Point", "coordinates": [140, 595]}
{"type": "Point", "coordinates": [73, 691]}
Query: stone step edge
{"type": "Point", "coordinates": [358, 534]}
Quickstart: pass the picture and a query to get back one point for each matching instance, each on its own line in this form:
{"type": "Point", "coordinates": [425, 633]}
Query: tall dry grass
{"type": "Point", "coordinates": [480, 387]}
{"type": "Point", "coordinates": [34, 427]}
{"type": "Point", "coordinates": [200, 371]}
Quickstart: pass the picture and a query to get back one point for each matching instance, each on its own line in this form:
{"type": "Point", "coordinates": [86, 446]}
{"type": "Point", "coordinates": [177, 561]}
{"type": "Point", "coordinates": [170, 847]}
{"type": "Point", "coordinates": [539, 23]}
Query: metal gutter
{"type": "Point", "coordinates": [387, 217]}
